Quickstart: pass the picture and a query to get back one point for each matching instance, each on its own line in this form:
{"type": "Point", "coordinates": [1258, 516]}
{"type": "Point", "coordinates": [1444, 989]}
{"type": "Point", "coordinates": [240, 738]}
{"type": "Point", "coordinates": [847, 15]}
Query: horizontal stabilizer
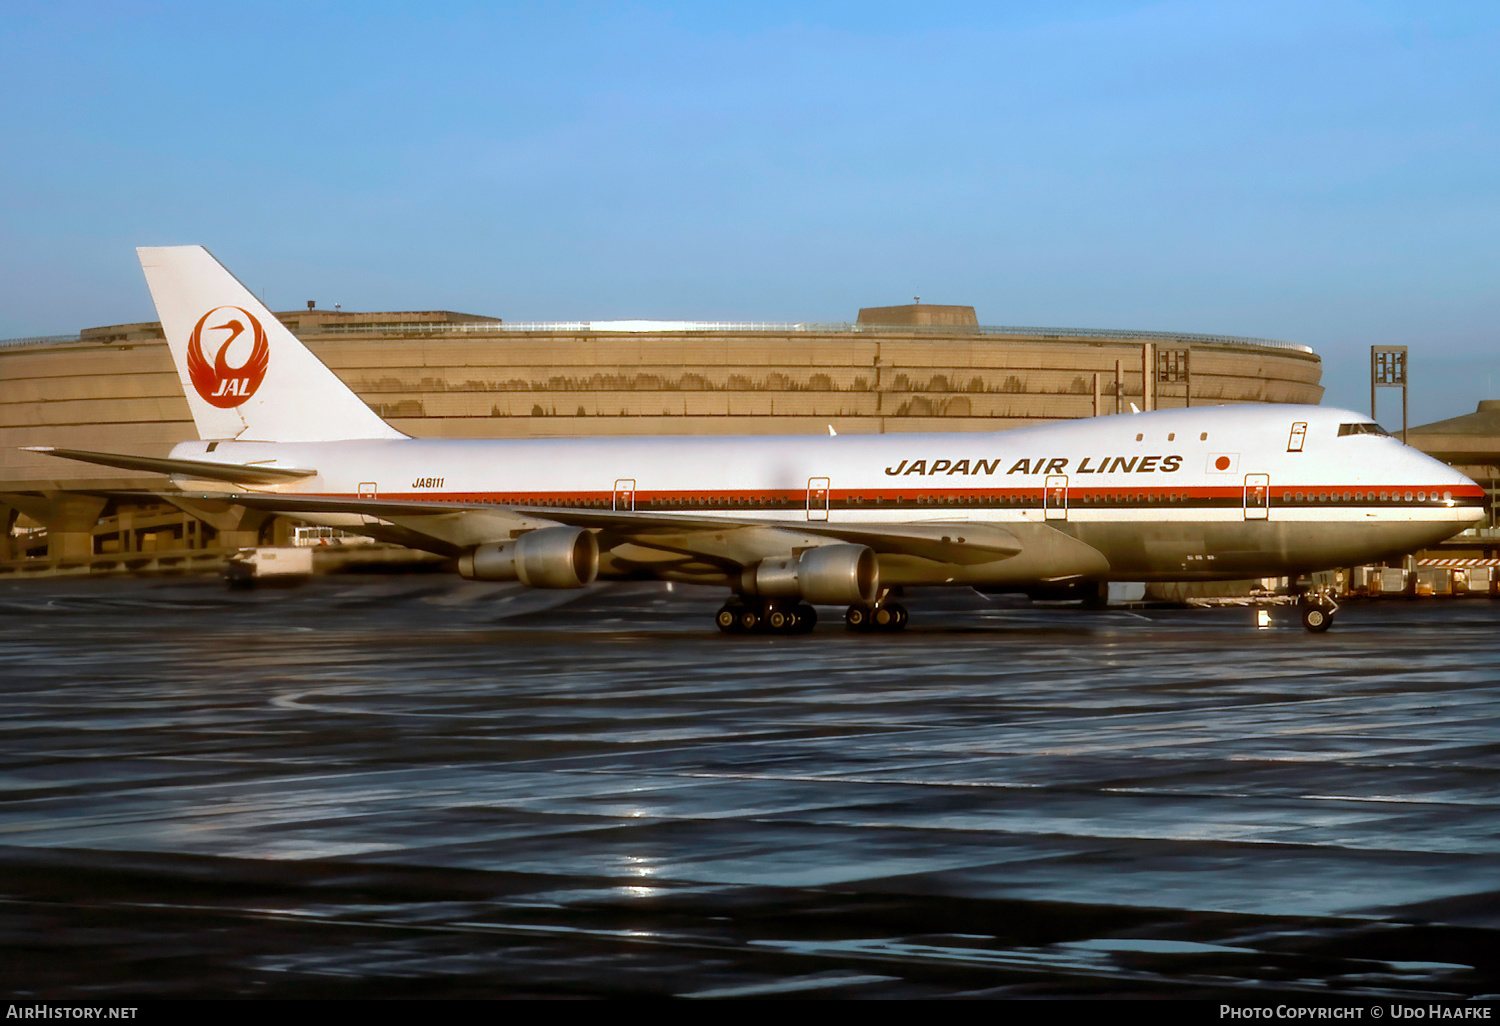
{"type": "Point", "coordinates": [204, 469]}
{"type": "Point", "coordinates": [295, 502]}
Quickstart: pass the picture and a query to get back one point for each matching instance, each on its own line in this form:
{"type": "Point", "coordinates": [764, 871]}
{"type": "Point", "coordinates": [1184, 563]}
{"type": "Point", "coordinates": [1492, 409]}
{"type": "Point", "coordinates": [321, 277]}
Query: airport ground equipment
{"type": "Point", "coordinates": [281, 564]}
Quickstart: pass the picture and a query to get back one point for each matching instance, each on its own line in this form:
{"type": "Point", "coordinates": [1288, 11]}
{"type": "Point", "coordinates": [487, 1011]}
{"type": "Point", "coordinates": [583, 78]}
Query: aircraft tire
{"type": "Point", "coordinates": [728, 619]}
{"type": "Point", "coordinates": [884, 617]}
{"type": "Point", "coordinates": [1316, 618]}
{"type": "Point", "coordinates": [807, 619]}
{"type": "Point", "coordinates": [779, 621]}
{"type": "Point", "coordinates": [857, 618]}
{"type": "Point", "coordinates": [899, 623]}
{"type": "Point", "coordinates": [750, 619]}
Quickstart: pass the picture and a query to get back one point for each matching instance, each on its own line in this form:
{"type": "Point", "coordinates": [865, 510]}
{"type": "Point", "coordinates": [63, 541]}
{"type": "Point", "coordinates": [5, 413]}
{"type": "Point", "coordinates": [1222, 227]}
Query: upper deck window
{"type": "Point", "coordinates": [1362, 429]}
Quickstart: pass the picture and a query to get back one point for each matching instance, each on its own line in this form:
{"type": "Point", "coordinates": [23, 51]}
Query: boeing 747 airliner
{"type": "Point", "coordinates": [786, 523]}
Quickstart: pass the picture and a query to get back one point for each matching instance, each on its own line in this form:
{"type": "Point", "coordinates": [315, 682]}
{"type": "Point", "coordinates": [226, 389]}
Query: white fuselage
{"type": "Point", "coordinates": [1215, 492]}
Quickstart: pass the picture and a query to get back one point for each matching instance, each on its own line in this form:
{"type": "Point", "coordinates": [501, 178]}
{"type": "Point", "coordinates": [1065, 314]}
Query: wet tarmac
{"type": "Point", "coordinates": [418, 787]}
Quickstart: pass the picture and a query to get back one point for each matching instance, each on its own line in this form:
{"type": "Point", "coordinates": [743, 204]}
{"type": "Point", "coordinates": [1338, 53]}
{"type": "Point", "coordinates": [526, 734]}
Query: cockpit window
{"type": "Point", "coordinates": [1361, 429]}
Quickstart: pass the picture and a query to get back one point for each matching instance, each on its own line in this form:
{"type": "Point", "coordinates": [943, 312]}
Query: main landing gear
{"type": "Point", "coordinates": [738, 616]}
{"type": "Point", "coordinates": [882, 616]}
{"type": "Point", "coordinates": [742, 615]}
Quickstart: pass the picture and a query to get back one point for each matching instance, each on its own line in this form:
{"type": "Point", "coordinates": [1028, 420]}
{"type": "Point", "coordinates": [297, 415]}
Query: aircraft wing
{"type": "Point", "coordinates": [725, 541]}
{"type": "Point", "coordinates": [954, 542]}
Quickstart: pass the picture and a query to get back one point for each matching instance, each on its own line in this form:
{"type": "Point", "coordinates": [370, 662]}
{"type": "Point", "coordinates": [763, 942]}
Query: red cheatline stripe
{"type": "Point", "coordinates": [1031, 495]}
{"type": "Point", "coordinates": [1198, 493]}
{"type": "Point", "coordinates": [906, 495]}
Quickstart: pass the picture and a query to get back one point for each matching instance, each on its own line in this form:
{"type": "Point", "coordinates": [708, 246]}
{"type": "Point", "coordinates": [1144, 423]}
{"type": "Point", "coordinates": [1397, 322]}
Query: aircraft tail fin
{"type": "Point", "coordinates": [244, 373]}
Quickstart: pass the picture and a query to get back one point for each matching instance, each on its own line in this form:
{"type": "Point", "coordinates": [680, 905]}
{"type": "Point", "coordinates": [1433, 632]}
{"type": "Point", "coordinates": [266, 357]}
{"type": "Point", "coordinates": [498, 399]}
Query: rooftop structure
{"type": "Point", "coordinates": [1471, 440]}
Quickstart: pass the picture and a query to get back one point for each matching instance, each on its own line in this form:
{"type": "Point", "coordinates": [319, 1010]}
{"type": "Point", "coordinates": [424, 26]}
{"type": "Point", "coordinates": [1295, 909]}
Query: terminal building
{"type": "Point", "coordinates": [910, 368]}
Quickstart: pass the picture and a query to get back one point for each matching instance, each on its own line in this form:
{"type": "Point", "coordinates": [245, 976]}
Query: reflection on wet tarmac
{"type": "Point", "coordinates": [409, 786]}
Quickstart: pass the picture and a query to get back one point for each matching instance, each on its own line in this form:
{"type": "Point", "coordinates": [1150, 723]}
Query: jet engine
{"type": "Point", "coordinates": [829, 574]}
{"type": "Point", "coordinates": [550, 557]}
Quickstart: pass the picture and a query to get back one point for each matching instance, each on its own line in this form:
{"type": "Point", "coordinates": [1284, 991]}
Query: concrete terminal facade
{"type": "Point", "coordinates": [441, 374]}
{"type": "Point", "coordinates": [1470, 443]}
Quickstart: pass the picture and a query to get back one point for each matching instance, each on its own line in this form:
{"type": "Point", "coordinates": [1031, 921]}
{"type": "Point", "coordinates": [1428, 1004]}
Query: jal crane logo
{"type": "Point", "coordinates": [218, 383]}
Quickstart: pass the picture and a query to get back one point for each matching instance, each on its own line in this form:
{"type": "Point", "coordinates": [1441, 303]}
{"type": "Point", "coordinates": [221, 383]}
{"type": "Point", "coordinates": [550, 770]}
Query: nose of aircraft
{"type": "Point", "coordinates": [1463, 498]}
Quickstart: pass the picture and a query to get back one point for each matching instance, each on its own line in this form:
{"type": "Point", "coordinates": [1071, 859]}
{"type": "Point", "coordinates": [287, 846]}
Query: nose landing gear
{"type": "Point", "coordinates": [1317, 608]}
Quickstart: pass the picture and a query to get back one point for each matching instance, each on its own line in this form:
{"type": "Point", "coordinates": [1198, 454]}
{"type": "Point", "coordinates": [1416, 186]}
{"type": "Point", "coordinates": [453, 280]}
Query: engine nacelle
{"type": "Point", "coordinates": [829, 574]}
{"type": "Point", "coordinates": [550, 557]}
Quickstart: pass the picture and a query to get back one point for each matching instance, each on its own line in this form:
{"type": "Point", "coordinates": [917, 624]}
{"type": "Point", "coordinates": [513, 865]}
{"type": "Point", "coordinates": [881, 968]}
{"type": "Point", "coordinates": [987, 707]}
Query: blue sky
{"type": "Point", "coordinates": [1327, 173]}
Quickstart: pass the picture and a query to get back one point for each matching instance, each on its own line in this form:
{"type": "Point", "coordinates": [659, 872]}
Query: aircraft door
{"type": "Point", "coordinates": [624, 500]}
{"type": "Point", "coordinates": [368, 490]}
{"type": "Point", "coordinates": [1257, 496]}
{"type": "Point", "coordinates": [817, 498]}
{"type": "Point", "coordinates": [1055, 499]}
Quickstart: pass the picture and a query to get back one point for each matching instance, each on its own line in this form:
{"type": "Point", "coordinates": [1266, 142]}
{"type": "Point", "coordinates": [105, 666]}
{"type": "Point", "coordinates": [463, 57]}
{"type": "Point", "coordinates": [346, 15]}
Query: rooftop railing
{"type": "Point", "coordinates": [38, 340]}
{"type": "Point", "coordinates": [563, 327]}
{"type": "Point", "coordinates": [683, 327]}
